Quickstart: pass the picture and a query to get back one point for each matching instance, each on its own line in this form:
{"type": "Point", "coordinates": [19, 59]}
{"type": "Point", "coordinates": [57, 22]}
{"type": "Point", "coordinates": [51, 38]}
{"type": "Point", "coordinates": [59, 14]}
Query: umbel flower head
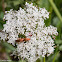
{"type": "Point", "coordinates": [28, 23]}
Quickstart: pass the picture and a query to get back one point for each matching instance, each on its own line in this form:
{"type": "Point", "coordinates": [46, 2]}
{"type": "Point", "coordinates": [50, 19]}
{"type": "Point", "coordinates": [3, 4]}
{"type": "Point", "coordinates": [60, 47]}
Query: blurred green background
{"type": "Point", "coordinates": [55, 19]}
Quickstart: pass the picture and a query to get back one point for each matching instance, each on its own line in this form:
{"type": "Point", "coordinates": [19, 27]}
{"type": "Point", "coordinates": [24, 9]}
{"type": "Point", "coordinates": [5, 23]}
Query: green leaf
{"type": "Point", "coordinates": [55, 21]}
{"type": "Point", "coordinates": [58, 42]}
{"type": "Point", "coordinates": [1, 27]}
{"type": "Point", "coordinates": [1, 15]}
{"type": "Point", "coordinates": [8, 46]}
{"type": "Point", "coordinates": [16, 3]}
{"type": "Point", "coordinates": [60, 47]}
{"type": "Point", "coordinates": [44, 4]}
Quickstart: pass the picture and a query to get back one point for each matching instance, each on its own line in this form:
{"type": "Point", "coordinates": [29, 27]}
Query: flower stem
{"type": "Point", "coordinates": [56, 9]}
{"type": "Point", "coordinates": [44, 59]}
{"type": "Point", "coordinates": [55, 56]}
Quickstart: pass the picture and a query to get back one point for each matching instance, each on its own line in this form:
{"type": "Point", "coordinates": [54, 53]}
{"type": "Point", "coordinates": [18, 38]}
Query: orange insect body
{"type": "Point", "coordinates": [26, 39]}
{"type": "Point", "coordinates": [22, 39]}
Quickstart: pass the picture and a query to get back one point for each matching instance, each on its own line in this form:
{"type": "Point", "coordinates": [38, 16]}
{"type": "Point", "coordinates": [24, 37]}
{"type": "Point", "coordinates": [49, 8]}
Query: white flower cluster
{"type": "Point", "coordinates": [30, 21]}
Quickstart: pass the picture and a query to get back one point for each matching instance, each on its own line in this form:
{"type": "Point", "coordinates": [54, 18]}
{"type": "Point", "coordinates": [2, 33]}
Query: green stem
{"type": "Point", "coordinates": [44, 59]}
{"type": "Point", "coordinates": [55, 57]}
{"type": "Point", "coordinates": [56, 10]}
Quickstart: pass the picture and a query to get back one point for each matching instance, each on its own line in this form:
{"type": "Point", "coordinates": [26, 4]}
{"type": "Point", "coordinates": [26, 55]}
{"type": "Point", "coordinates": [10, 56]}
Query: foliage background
{"type": "Point", "coordinates": [55, 19]}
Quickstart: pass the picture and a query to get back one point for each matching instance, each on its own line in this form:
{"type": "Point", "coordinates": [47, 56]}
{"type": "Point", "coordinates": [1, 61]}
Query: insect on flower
{"type": "Point", "coordinates": [22, 39]}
